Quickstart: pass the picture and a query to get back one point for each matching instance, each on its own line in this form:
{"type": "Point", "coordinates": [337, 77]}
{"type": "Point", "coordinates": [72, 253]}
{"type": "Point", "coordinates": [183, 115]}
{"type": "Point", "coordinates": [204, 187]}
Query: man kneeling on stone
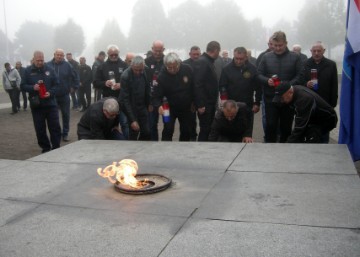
{"type": "Point", "coordinates": [101, 121]}
{"type": "Point", "coordinates": [314, 117]}
{"type": "Point", "coordinates": [231, 124]}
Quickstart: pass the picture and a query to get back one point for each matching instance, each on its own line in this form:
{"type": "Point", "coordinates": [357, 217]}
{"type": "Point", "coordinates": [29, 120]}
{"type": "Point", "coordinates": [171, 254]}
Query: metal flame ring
{"type": "Point", "coordinates": [155, 183]}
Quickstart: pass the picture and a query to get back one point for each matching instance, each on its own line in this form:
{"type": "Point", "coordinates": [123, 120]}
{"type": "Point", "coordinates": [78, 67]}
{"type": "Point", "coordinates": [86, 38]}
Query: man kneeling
{"type": "Point", "coordinates": [101, 121]}
{"type": "Point", "coordinates": [231, 124]}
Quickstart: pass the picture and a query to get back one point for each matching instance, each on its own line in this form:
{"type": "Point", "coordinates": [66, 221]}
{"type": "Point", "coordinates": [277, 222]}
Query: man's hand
{"type": "Point", "coordinates": [310, 84]}
{"type": "Point", "coordinates": [161, 110]}
{"type": "Point", "coordinates": [36, 87]}
{"type": "Point", "coordinates": [201, 110]}
{"type": "Point", "coordinates": [256, 108]}
{"type": "Point", "coordinates": [135, 126]}
{"type": "Point", "coordinates": [151, 108]}
{"type": "Point", "coordinates": [47, 94]}
{"type": "Point", "coordinates": [247, 140]}
{"type": "Point", "coordinates": [271, 82]}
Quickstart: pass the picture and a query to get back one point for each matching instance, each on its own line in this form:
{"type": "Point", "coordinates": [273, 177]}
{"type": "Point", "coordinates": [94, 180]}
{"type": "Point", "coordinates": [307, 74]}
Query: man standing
{"type": "Point", "coordinates": [73, 94]}
{"type": "Point", "coordinates": [98, 61]}
{"type": "Point", "coordinates": [231, 124]}
{"type": "Point", "coordinates": [327, 79]}
{"type": "Point", "coordinates": [194, 54]}
{"type": "Point", "coordinates": [286, 66]}
{"type": "Point", "coordinates": [206, 88]}
{"type": "Point", "coordinates": [101, 121]}
{"type": "Point", "coordinates": [108, 80]}
{"type": "Point", "coordinates": [85, 75]}
{"type": "Point", "coordinates": [11, 82]}
{"type": "Point", "coordinates": [239, 80]}
{"type": "Point", "coordinates": [297, 49]}
{"type": "Point", "coordinates": [21, 70]}
{"type": "Point", "coordinates": [154, 62]}
{"type": "Point", "coordinates": [314, 117]}
{"type": "Point", "coordinates": [47, 112]}
{"type": "Point", "coordinates": [69, 82]}
{"type": "Point", "coordinates": [135, 99]}
{"type": "Point", "coordinates": [176, 83]}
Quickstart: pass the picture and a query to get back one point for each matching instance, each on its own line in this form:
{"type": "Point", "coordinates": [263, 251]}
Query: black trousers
{"type": "Point", "coordinates": [205, 121]}
{"type": "Point", "coordinates": [185, 121]}
{"type": "Point", "coordinates": [43, 117]}
{"type": "Point", "coordinates": [84, 91]}
{"type": "Point", "coordinates": [14, 98]}
{"type": "Point", "coordinates": [278, 118]}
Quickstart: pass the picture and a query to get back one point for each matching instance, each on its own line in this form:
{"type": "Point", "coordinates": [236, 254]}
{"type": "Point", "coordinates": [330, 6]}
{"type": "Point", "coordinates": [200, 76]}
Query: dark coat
{"type": "Point", "coordinates": [310, 109]}
{"type": "Point", "coordinates": [287, 66]}
{"type": "Point", "coordinates": [232, 131]}
{"type": "Point", "coordinates": [102, 75]}
{"type": "Point", "coordinates": [206, 81]}
{"type": "Point", "coordinates": [134, 95]}
{"type": "Point", "coordinates": [85, 75]}
{"type": "Point", "coordinates": [241, 83]}
{"type": "Point", "coordinates": [178, 88]}
{"type": "Point", "coordinates": [47, 75]}
{"type": "Point", "coordinates": [327, 78]}
{"type": "Point", "coordinates": [94, 125]}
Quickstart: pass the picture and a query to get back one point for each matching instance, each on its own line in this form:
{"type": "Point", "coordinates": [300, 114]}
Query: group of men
{"type": "Point", "coordinates": [130, 94]}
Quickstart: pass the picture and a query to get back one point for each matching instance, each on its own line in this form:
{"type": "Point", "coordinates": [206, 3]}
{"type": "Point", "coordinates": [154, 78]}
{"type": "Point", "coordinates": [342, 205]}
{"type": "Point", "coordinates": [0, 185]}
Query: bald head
{"type": "Point", "coordinates": [59, 55]}
{"type": "Point", "coordinates": [158, 50]}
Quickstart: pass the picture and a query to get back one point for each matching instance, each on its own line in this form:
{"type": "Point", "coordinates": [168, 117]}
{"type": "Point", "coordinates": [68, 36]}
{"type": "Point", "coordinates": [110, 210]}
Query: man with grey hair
{"type": "Point", "coordinates": [297, 49]}
{"type": "Point", "coordinates": [108, 77]}
{"type": "Point", "coordinates": [135, 99]}
{"type": "Point", "coordinates": [101, 121]}
{"type": "Point", "coordinates": [176, 83]}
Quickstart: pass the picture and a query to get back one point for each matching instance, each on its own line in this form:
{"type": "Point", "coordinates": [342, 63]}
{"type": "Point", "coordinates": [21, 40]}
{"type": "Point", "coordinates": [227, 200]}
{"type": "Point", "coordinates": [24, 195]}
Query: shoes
{"type": "Point", "coordinates": [83, 110]}
{"type": "Point", "coordinates": [12, 113]}
{"type": "Point", "coordinates": [66, 139]}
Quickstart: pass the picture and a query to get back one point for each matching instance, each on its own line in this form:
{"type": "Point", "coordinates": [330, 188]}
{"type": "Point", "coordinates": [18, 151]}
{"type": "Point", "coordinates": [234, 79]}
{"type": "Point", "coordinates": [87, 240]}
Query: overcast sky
{"type": "Point", "coordinates": [92, 15]}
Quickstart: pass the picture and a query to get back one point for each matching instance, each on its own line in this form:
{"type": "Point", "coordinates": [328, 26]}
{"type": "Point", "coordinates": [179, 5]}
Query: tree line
{"type": "Point", "coordinates": [188, 24]}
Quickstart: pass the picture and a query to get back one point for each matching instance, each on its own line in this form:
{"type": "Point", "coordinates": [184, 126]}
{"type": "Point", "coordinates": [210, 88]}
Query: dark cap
{"type": "Point", "coordinates": [280, 90]}
{"type": "Point", "coordinates": [102, 53]}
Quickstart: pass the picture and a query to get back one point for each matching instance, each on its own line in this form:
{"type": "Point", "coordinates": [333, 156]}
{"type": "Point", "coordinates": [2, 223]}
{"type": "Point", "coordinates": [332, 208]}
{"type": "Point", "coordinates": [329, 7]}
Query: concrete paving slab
{"type": "Point", "coordinates": [224, 238]}
{"type": "Point", "coordinates": [93, 151]}
{"type": "Point", "coordinates": [7, 163]}
{"type": "Point", "coordinates": [190, 155]}
{"type": "Point", "coordinates": [188, 189]}
{"type": "Point", "coordinates": [40, 181]}
{"type": "Point", "coordinates": [66, 231]}
{"type": "Point", "coordinates": [301, 199]}
{"type": "Point", "coordinates": [295, 158]}
{"type": "Point", "coordinates": [10, 210]}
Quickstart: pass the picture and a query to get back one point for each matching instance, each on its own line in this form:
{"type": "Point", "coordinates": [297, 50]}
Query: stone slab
{"type": "Point", "coordinates": [227, 239]}
{"type": "Point", "coordinates": [301, 199]}
{"type": "Point", "coordinates": [295, 158]}
{"type": "Point", "coordinates": [8, 164]}
{"type": "Point", "coordinates": [188, 189]}
{"type": "Point", "coordinates": [11, 210]}
{"type": "Point", "coordinates": [67, 231]}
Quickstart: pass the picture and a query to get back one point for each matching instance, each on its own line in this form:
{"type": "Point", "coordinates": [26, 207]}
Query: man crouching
{"type": "Point", "coordinates": [231, 124]}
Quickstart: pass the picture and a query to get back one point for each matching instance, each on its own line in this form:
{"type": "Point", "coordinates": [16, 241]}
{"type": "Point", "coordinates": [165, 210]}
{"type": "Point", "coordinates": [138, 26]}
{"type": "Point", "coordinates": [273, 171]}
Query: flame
{"type": "Point", "coordinates": [124, 171]}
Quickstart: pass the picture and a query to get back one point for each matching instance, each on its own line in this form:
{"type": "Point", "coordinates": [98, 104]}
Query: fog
{"type": "Point", "coordinates": [92, 17]}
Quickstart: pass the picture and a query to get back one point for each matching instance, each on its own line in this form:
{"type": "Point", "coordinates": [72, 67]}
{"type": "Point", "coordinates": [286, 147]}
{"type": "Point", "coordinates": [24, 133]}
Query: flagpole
{"type": "Point", "coordinates": [6, 34]}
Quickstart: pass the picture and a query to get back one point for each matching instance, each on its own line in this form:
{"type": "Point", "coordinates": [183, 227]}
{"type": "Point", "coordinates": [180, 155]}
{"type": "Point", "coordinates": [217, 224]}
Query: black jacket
{"type": "Point", "coordinates": [206, 81]}
{"type": "Point", "coordinates": [287, 66]}
{"type": "Point", "coordinates": [94, 125]}
{"type": "Point", "coordinates": [102, 75]}
{"type": "Point", "coordinates": [234, 130]}
{"type": "Point", "coordinates": [85, 75]}
{"type": "Point", "coordinates": [327, 78]}
{"type": "Point", "coordinates": [178, 88]}
{"type": "Point", "coordinates": [310, 109]}
{"type": "Point", "coordinates": [241, 83]}
{"type": "Point", "coordinates": [134, 94]}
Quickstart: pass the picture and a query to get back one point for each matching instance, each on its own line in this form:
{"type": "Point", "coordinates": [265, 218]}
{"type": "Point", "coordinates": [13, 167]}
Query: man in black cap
{"type": "Point", "coordinates": [314, 117]}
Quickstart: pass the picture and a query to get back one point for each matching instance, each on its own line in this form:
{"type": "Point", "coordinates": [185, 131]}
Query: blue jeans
{"type": "Point", "coordinates": [64, 106]}
{"type": "Point", "coordinates": [74, 98]}
{"type": "Point", "coordinates": [47, 115]}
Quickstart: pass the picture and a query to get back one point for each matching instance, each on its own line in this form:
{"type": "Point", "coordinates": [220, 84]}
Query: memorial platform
{"type": "Point", "coordinates": [225, 200]}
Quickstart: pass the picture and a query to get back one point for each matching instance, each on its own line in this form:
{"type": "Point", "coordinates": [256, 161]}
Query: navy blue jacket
{"type": "Point", "coordinates": [68, 77]}
{"type": "Point", "coordinates": [33, 75]}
